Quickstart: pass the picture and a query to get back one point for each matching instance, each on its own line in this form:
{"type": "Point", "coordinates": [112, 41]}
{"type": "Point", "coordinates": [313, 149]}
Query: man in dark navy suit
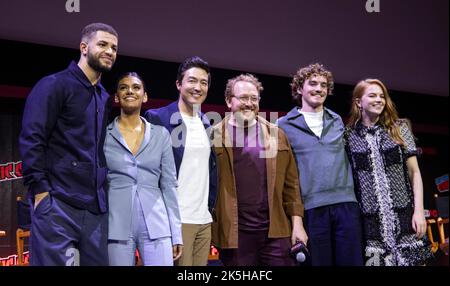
{"type": "Point", "coordinates": [61, 145]}
{"type": "Point", "coordinates": [195, 160]}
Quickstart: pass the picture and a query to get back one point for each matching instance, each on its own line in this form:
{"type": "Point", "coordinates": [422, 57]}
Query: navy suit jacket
{"type": "Point", "coordinates": [170, 117]}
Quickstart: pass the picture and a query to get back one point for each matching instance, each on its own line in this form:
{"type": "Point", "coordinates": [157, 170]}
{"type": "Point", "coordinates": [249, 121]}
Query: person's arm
{"type": "Point", "coordinates": [419, 223]}
{"type": "Point", "coordinates": [168, 185]}
{"type": "Point", "coordinates": [40, 114]}
{"type": "Point", "coordinates": [292, 201]}
{"type": "Point", "coordinates": [298, 231]}
{"type": "Point", "coordinates": [177, 251]}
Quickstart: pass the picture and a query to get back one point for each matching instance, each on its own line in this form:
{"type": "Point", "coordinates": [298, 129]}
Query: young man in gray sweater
{"type": "Point", "coordinates": [332, 215]}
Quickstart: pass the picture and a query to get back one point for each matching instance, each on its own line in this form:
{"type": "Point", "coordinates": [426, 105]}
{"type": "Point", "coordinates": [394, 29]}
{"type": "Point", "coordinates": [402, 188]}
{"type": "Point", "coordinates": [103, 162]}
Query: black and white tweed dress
{"type": "Point", "coordinates": [385, 195]}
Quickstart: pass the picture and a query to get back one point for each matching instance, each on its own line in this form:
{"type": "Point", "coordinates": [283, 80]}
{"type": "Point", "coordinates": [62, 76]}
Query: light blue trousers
{"type": "Point", "coordinates": [153, 252]}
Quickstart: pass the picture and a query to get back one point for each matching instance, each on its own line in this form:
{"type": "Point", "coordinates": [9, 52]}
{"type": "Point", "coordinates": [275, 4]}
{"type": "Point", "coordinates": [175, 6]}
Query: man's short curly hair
{"type": "Point", "coordinates": [305, 73]}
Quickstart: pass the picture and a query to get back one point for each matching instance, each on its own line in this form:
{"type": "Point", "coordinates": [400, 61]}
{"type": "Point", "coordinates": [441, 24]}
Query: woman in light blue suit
{"type": "Point", "coordinates": [143, 206]}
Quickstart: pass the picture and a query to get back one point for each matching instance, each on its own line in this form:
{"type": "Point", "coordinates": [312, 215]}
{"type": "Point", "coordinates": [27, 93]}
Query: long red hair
{"type": "Point", "coordinates": [389, 116]}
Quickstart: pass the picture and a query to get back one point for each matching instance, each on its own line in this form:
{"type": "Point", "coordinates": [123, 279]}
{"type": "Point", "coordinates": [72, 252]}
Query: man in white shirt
{"type": "Point", "coordinates": [195, 160]}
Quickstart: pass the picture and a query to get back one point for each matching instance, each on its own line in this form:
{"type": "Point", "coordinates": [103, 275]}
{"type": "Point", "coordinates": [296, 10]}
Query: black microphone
{"type": "Point", "coordinates": [299, 252]}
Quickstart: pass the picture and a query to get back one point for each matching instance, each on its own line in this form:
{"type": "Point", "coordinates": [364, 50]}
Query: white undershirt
{"type": "Point", "coordinates": [314, 120]}
{"type": "Point", "coordinates": [193, 176]}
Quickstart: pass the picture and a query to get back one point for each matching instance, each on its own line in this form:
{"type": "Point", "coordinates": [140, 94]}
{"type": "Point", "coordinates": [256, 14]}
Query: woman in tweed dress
{"type": "Point", "coordinates": [387, 179]}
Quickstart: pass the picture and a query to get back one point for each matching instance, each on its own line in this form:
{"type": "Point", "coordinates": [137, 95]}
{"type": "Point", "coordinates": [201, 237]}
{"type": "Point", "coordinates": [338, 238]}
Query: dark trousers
{"type": "Point", "coordinates": [62, 235]}
{"type": "Point", "coordinates": [335, 235]}
{"type": "Point", "coordinates": [256, 249]}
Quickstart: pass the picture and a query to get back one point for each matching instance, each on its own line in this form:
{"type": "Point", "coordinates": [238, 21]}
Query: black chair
{"type": "Point", "coordinates": [442, 206]}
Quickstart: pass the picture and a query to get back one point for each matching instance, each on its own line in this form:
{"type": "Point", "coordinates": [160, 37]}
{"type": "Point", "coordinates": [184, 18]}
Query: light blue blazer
{"type": "Point", "coordinates": [151, 174]}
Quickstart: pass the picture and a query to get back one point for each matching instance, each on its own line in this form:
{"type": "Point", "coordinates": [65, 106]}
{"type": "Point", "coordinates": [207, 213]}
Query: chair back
{"type": "Point", "coordinates": [23, 214]}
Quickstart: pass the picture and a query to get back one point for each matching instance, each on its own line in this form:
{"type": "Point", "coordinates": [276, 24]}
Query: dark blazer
{"type": "Point", "coordinates": [61, 142]}
{"type": "Point", "coordinates": [169, 116]}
